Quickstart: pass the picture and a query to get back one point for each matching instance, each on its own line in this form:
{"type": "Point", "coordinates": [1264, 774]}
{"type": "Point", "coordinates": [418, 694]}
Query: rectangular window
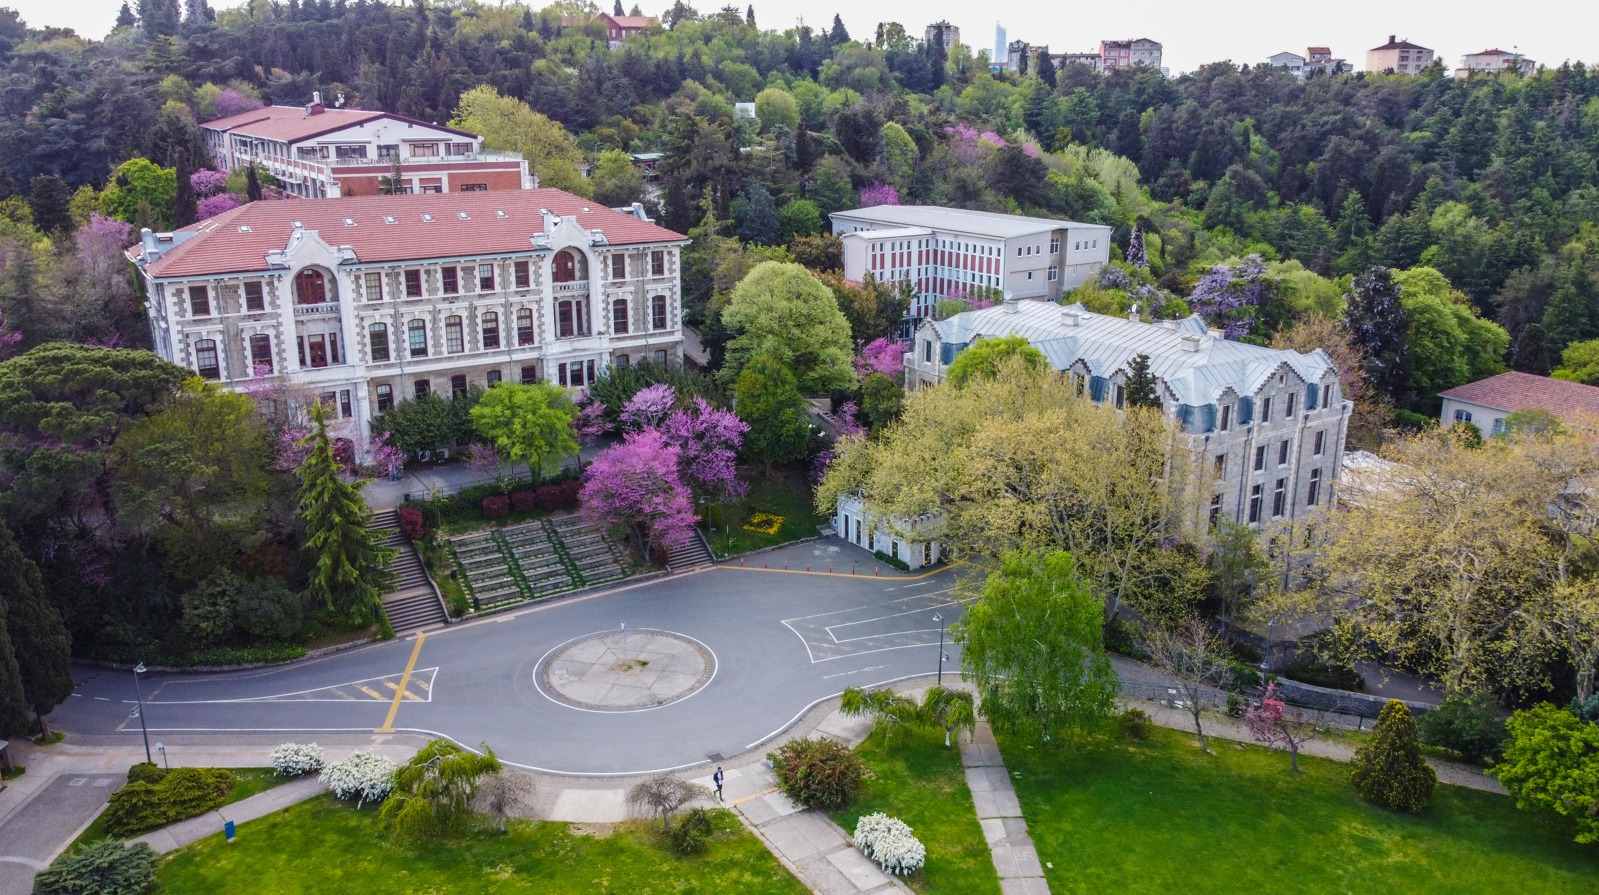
{"type": "Point", "coordinates": [618, 267]}
{"type": "Point", "coordinates": [519, 271]}
{"type": "Point", "coordinates": [1500, 427]}
{"type": "Point", "coordinates": [1254, 503]}
{"type": "Point", "coordinates": [530, 374]}
{"type": "Point", "coordinates": [199, 301]}
{"type": "Point", "coordinates": [345, 410]}
{"type": "Point", "coordinates": [1314, 493]}
{"type": "Point", "coordinates": [623, 362]}
{"type": "Point", "coordinates": [485, 278]}
{"type": "Point", "coordinates": [253, 298]}
{"type": "Point", "coordinates": [1282, 454]}
{"type": "Point", "coordinates": [1288, 412]}
{"type": "Point", "coordinates": [1054, 246]}
{"type": "Point", "coordinates": [564, 326]}
{"type": "Point", "coordinates": [491, 331]}
{"type": "Point", "coordinates": [561, 374]}
{"type": "Point", "coordinates": [1226, 417]}
{"type": "Point", "coordinates": [1318, 443]}
{"type": "Point", "coordinates": [657, 264]}
{"type": "Point", "coordinates": [316, 350]}
{"type": "Point", "coordinates": [385, 398]}
{"type": "Point", "coordinates": [261, 353]}
{"type": "Point", "coordinates": [413, 284]}
{"type": "Point", "coordinates": [1260, 457]}
{"type": "Point", "coordinates": [416, 332]}
{"type": "Point", "coordinates": [378, 340]}
{"type": "Point", "coordinates": [493, 378]}
{"type": "Point", "coordinates": [451, 285]}
{"type": "Point", "coordinates": [1054, 273]}
{"type": "Point", "coordinates": [424, 150]}
{"type": "Point", "coordinates": [658, 312]}
{"type": "Point", "coordinates": [454, 339]}
{"type": "Point", "coordinates": [421, 389]}
{"type": "Point", "coordinates": [592, 376]}
{"type": "Point", "coordinates": [927, 352]}
{"type": "Point", "coordinates": [374, 287]}
{"type": "Point", "coordinates": [1215, 509]}
{"type": "Point", "coordinates": [474, 188]}
{"type": "Point", "coordinates": [1279, 498]}
{"type": "Point", "coordinates": [457, 386]}
{"type": "Point", "coordinates": [619, 317]}
{"type": "Point", "coordinates": [1221, 465]}
{"type": "Point", "coordinates": [1121, 397]}
{"type": "Point", "coordinates": [1265, 410]}
{"type": "Point", "coordinates": [205, 359]}
{"type": "Point", "coordinates": [524, 327]}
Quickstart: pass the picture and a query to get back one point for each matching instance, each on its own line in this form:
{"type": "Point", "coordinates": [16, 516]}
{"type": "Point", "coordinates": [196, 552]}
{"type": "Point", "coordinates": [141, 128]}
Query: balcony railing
{"type": "Point", "coordinates": [574, 286]}
{"type": "Point", "coordinates": [326, 308]}
{"type": "Point", "coordinates": [486, 155]}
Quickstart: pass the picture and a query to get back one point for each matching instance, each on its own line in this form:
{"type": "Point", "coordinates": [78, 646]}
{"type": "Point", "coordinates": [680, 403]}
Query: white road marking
{"type": "Point", "coordinates": [856, 671]}
{"type": "Point", "coordinates": [290, 697]}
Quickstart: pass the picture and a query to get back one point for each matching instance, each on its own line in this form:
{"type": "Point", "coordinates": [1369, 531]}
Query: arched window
{"type": "Point", "coordinates": [619, 317]}
{"type": "Point", "coordinates": [205, 359]}
{"type": "Point", "coordinates": [491, 331]}
{"type": "Point", "coordinates": [454, 342]}
{"type": "Point", "coordinates": [570, 267]}
{"type": "Point", "coordinates": [310, 287]}
{"type": "Point", "coordinates": [416, 333]}
{"type": "Point", "coordinates": [658, 312]}
{"type": "Point", "coordinates": [378, 339]}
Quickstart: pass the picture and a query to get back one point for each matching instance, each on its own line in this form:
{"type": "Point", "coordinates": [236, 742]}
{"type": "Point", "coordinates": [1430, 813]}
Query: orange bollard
{"type": "Point", "coordinates": [807, 567]}
{"type": "Point", "coordinates": [874, 572]}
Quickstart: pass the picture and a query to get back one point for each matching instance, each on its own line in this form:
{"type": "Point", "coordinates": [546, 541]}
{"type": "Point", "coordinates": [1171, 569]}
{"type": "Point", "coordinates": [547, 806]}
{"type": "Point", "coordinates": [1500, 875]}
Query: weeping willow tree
{"type": "Point", "coordinates": [434, 792]}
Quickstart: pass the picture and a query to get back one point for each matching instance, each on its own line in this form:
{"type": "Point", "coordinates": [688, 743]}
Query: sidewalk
{"type": "Point", "coordinates": [210, 823]}
{"type": "Point", "coordinates": [420, 479]}
{"type": "Point", "coordinates": [1000, 814]}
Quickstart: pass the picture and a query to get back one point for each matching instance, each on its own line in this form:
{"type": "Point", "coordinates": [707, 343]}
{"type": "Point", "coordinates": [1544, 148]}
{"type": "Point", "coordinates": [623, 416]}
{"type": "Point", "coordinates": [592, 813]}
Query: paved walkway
{"type": "Point", "coordinates": [210, 823]}
{"type": "Point", "coordinates": [1000, 814]}
{"type": "Point", "coordinates": [420, 480]}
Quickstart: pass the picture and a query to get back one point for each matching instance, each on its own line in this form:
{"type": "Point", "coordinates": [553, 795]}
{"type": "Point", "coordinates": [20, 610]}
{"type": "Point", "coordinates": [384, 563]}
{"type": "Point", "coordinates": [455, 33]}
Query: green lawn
{"type": "Point", "coordinates": [323, 846]}
{"type": "Point", "coordinates": [923, 784]}
{"type": "Point", "coordinates": [246, 783]}
{"type": "Point", "coordinates": [1159, 816]}
{"type": "Point", "coordinates": [785, 492]}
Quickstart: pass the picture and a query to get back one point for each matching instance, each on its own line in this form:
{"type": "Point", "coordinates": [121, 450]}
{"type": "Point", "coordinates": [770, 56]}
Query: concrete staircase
{"type": "Point", "coordinates": [693, 555]}
{"type": "Point", "coordinates": [413, 603]}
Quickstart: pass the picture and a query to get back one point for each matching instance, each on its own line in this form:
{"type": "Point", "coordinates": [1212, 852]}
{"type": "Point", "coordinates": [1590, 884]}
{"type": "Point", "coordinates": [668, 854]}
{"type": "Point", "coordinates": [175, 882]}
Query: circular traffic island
{"type": "Point", "coordinates": [632, 671]}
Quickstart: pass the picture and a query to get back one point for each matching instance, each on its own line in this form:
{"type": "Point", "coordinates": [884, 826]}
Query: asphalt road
{"type": "Point", "coordinates": [30, 836]}
{"type": "Point", "coordinates": [781, 642]}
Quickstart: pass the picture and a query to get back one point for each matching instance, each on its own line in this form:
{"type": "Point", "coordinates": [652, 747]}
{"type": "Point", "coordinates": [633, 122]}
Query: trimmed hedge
{"type": "Point", "coordinates": [222, 655]}
{"type": "Point", "coordinates": [183, 793]}
{"type": "Point", "coordinates": [524, 501]}
{"type": "Point", "coordinates": [146, 772]}
{"type": "Point", "coordinates": [900, 564]}
{"type": "Point", "coordinates": [496, 507]}
{"type": "Point", "coordinates": [559, 496]}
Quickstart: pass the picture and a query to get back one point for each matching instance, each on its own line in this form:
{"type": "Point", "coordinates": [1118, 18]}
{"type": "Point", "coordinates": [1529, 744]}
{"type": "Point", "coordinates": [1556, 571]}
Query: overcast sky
{"type": "Point", "coordinates": [1550, 31]}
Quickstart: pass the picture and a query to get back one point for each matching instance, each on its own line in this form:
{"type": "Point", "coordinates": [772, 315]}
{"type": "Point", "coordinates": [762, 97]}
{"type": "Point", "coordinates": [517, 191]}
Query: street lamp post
{"type": "Point", "coordinates": [161, 748]}
{"type": "Point", "coordinates": [939, 618]}
{"type": "Point", "coordinates": [138, 670]}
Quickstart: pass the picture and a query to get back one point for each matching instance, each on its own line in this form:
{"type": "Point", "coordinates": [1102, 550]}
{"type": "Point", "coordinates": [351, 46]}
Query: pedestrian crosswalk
{"type": "Point", "coordinates": [896, 624]}
{"type": "Point", "coordinates": [377, 689]}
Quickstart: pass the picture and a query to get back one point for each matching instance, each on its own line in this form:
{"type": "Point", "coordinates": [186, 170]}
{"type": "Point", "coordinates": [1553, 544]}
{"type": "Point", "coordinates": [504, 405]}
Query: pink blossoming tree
{"type": "Point", "coordinates": [211, 206]}
{"type": "Point", "coordinates": [708, 439]}
{"type": "Point", "coordinates": [1273, 723]}
{"type": "Point", "coordinates": [649, 407]}
{"type": "Point", "coordinates": [638, 483]}
{"type": "Point", "coordinates": [880, 356]}
{"type": "Point", "coordinates": [208, 182]}
{"type": "Point", "coordinates": [879, 194]}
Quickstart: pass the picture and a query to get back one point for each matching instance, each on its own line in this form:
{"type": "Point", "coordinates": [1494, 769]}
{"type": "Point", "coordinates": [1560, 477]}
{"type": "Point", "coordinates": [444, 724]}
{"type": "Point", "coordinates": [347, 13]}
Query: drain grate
{"type": "Point", "coordinates": [716, 756]}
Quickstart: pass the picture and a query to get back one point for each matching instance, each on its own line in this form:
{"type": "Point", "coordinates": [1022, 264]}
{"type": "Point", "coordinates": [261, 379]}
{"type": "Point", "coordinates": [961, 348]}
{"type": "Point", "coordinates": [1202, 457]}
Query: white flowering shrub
{"type": "Point", "coordinates": [364, 777]}
{"type": "Point", "coordinates": [297, 759]}
{"type": "Point", "coordinates": [888, 842]}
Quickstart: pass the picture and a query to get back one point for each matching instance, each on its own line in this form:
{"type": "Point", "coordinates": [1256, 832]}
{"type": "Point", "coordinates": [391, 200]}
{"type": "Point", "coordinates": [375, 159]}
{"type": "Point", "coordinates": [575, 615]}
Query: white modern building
{"type": "Point", "coordinates": [1494, 62]}
{"type": "Point", "coordinates": [909, 541]}
{"type": "Point", "coordinates": [1267, 426]}
{"type": "Point", "coordinates": [317, 152]}
{"type": "Point", "coordinates": [367, 301]}
{"type": "Point", "coordinates": [951, 252]}
{"type": "Point", "coordinates": [1293, 63]}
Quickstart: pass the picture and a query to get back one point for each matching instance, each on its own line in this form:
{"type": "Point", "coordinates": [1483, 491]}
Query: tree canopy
{"type": "Point", "coordinates": [783, 312]}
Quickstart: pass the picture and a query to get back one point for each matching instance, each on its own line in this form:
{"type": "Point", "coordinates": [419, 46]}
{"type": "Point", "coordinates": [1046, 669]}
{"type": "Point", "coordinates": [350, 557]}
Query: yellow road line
{"type": "Point", "coordinates": [841, 573]}
{"type": "Point", "coordinates": [371, 692]}
{"type": "Point", "coordinates": [394, 707]}
{"type": "Point", "coordinates": [423, 684]}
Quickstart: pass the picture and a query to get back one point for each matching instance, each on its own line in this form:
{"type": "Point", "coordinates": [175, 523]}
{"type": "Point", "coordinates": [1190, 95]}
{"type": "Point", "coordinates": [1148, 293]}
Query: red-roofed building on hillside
{"type": "Point", "coordinates": [620, 28]}
{"type": "Point", "coordinates": [317, 152]}
{"type": "Point", "coordinates": [1487, 402]}
{"type": "Point", "coordinates": [371, 300]}
{"type": "Point", "coordinates": [1399, 56]}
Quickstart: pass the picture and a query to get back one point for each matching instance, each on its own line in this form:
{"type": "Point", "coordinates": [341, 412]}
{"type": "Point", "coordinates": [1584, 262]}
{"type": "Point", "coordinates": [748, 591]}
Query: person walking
{"type": "Point", "coordinates": [717, 778]}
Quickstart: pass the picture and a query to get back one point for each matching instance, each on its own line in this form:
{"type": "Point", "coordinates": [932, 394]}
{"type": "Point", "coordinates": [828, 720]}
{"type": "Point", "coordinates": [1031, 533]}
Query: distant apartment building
{"type": "Point", "coordinates": [950, 252]}
{"type": "Point", "coordinates": [1023, 56]}
{"type": "Point", "coordinates": [1321, 61]}
{"type": "Point", "coordinates": [1400, 56]}
{"type": "Point", "coordinates": [371, 300]}
{"type": "Point", "coordinates": [951, 34]}
{"type": "Point", "coordinates": [1092, 60]}
{"type": "Point", "coordinates": [1126, 53]}
{"type": "Point", "coordinates": [1493, 62]}
{"type": "Point", "coordinates": [1293, 63]}
{"type": "Point", "coordinates": [1266, 427]}
{"type": "Point", "coordinates": [998, 59]}
{"type": "Point", "coordinates": [316, 152]}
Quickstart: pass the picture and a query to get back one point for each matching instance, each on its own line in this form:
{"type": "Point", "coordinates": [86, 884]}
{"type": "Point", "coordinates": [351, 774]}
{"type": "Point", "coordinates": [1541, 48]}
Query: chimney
{"type": "Point", "coordinates": [1391, 39]}
{"type": "Point", "coordinates": [1071, 317]}
{"type": "Point", "coordinates": [1190, 342]}
{"type": "Point", "coordinates": [1010, 306]}
{"type": "Point", "coordinates": [316, 97]}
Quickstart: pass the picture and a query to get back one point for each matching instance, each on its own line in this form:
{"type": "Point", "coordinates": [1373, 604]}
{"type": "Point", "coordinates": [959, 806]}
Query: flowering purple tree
{"type": "Point", "coordinates": [819, 466]}
{"type": "Point", "coordinates": [208, 182]}
{"type": "Point", "coordinates": [649, 407]}
{"type": "Point", "coordinates": [638, 483]}
{"type": "Point", "coordinates": [879, 356]}
{"type": "Point", "coordinates": [211, 206]}
{"type": "Point", "coordinates": [848, 419]}
{"type": "Point", "coordinates": [1137, 255]}
{"type": "Point", "coordinates": [388, 459]}
{"type": "Point", "coordinates": [1273, 723]}
{"type": "Point", "coordinates": [588, 425]}
{"type": "Point", "coordinates": [232, 102]}
{"type": "Point", "coordinates": [1230, 297]}
{"type": "Point", "coordinates": [8, 338]}
{"type": "Point", "coordinates": [879, 194]}
{"type": "Point", "coordinates": [707, 439]}
{"type": "Point", "coordinates": [482, 457]}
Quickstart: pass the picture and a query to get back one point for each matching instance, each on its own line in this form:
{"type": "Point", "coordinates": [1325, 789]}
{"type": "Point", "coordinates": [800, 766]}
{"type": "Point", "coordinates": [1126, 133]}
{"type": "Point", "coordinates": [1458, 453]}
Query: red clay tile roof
{"type": "Point", "coordinates": [1523, 391]}
{"type": "Point", "coordinates": [1325, 51]}
{"type": "Point", "coordinates": [639, 22]}
{"type": "Point", "coordinates": [291, 123]}
{"type": "Point", "coordinates": [218, 246]}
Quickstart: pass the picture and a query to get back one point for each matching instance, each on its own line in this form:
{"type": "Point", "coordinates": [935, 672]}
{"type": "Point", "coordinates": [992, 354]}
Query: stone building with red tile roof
{"type": "Point", "coordinates": [1487, 402]}
{"type": "Point", "coordinates": [371, 300]}
{"type": "Point", "coordinates": [317, 152]}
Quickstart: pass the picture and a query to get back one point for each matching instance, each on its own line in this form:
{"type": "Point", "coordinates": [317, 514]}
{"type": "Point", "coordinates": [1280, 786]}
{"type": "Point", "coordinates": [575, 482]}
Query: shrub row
{"type": "Point", "coordinates": [887, 560]}
{"type": "Point", "coordinates": [222, 655]}
{"type": "Point", "coordinates": [178, 795]}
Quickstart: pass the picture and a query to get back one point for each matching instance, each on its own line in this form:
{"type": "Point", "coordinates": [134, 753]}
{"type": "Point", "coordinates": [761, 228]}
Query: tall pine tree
{"type": "Point", "coordinates": [349, 571]}
{"type": "Point", "coordinates": [39, 640]}
{"type": "Point", "coordinates": [1379, 327]}
{"type": "Point", "coordinates": [1143, 389]}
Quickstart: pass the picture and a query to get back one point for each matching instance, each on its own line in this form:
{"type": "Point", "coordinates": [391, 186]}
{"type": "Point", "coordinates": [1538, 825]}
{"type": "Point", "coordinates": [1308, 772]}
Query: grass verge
{"type": "Point", "coordinates": [1160, 816]}
{"type": "Point", "coordinates": [323, 846]}
{"type": "Point", "coordinates": [923, 784]}
{"type": "Point", "coordinates": [785, 492]}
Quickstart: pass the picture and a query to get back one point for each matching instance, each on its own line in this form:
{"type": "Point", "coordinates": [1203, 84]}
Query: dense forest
{"type": "Point", "coordinates": [1424, 230]}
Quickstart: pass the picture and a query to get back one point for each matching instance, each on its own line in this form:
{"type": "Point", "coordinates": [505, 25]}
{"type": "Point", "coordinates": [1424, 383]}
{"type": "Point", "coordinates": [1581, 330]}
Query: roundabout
{"type": "Point", "coordinates": [623, 671]}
